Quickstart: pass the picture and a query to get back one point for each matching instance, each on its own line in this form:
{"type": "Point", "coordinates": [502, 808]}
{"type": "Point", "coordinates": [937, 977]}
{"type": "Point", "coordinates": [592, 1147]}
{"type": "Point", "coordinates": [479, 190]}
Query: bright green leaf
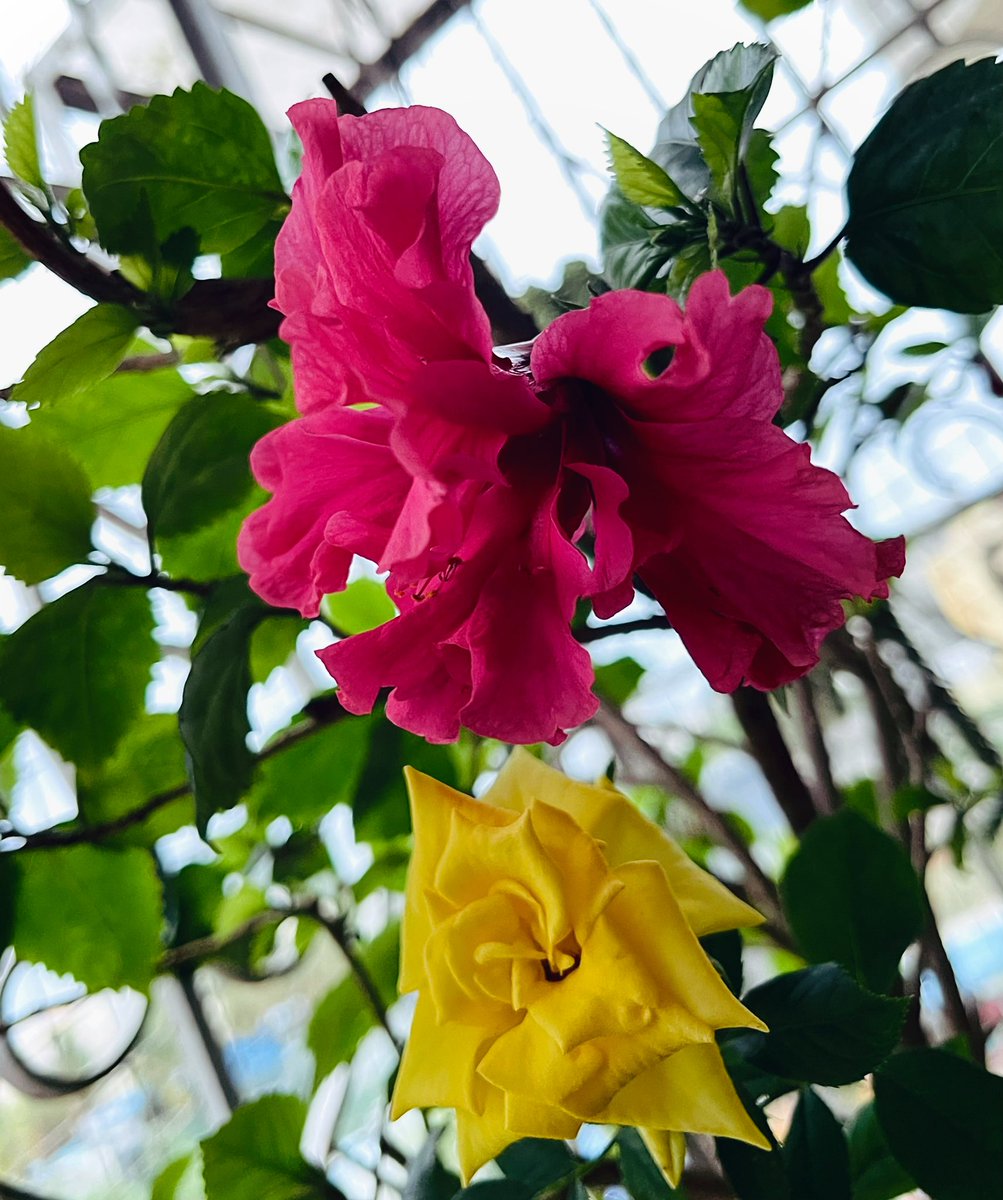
{"type": "Point", "coordinates": [92, 911]}
{"type": "Point", "coordinates": [202, 159]}
{"type": "Point", "coordinates": [851, 896]}
{"type": "Point", "coordinates": [200, 467]}
{"type": "Point", "coordinates": [257, 1154]}
{"type": "Point", "coordinates": [273, 643]}
{"type": "Point", "coordinates": [180, 1180]}
{"type": "Point", "coordinates": [13, 258]}
{"type": "Point", "coordinates": [815, 1152]}
{"type": "Point", "coordinates": [617, 681]}
{"type": "Point", "coordinates": [149, 761]}
{"type": "Point", "coordinates": [77, 670]}
{"type": "Point", "coordinates": [362, 606]}
{"type": "Point", "coordinates": [640, 179]}
{"type": "Point", "coordinates": [20, 139]}
{"type": "Point", "coordinates": [213, 717]}
{"type": "Point", "coordinates": [209, 553]}
{"type": "Point", "coordinates": [48, 512]}
{"type": "Point", "coordinates": [316, 772]}
{"type": "Point", "coordinates": [942, 1117]}
{"type": "Point", "coordinates": [925, 192]}
{"type": "Point", "coordinates": [111, 429]}
{"type": "Point", "coordinates": [824, 1028]}
{"type": "Point", "coordinates": [339, 1023]}
{"type": "Point", "coordinates": [83, 354]}
{"type": "Point", "coordinates": [769, 10]}
{"type": "Point", "coordinates": [836, 308]}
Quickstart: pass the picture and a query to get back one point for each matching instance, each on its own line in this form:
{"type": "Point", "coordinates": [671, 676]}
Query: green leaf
{"type": "Point", "coordinates": [641, 1174]}
{"type": "Point", "coordinates": [824, 1028]}
{"type": "Point", "coordinates": [273, 643]}
{"type": "Point", "coordinates": [640, 179]}
{"type": "Point", "coordinates": [92, 911]}
{"type": "Point", "coordinates": [913, 798]}
{"type": "Point", "coordinates": [769, 10]}
{"type": "Point", "coordinates": [852, 896]}
{"type": "Point", "coordinates": [308, 778]}
{"type": "Point", "coordinates": [536, 1163]}
{"type": "Point", "coordinates": [149, 761]}
{"type": "Point", "coordinates": [77, 670]}
{"type": "Point", "coordinates": [725, 949]}
{"type": "Point", "coordinates": [48, 512]}
{"type": "Point", "coordinates": [362, 606]}
{"type": "Point", "coordinates": [942, 1117]}
{"type": "Point", "coordinates": [924, 349]}
{"type": "Point", "coordinates": [339, 1023]}
{"type": "Point", "coordinates": [617, 681]}
{"type": "Point", "coordinates": [200, 467]}
{"type": "Point", "coordinates": [83, 354]}
{"type": "Point", "coordinates": [925, 192]}
{"type": "Point", "coordinates": [13, 257]}
{"type": "Point", "coordinates": [180, 1180]}
{"type": "Point", "coordinates": [427, 1179]}
{"type": "Point", "coordinates": [755, 1174]}
{"type": "Point", "coordinates": [203, 160]}
{"type": "Point", "coordinates": [111, 428]}
{"type": "Point", "coordinates": [381, 809]}
{"type": "Point", "coordinates": [632, 256]}
{"type": "Point", "coordinates": [496, 1189]}
{"type": "Point", "coordinates": [761, 168]}
{"type": "Point", "coordinates": [836, 308]}
{"type": "Point", "coordinates": [20, 140]}
{"type": "Point", "coordinates": [209, 553]}
{"type": "Point", "coordinates": [875, 1173]}
{"type": "Point", "coordinates": [213, 716]}
{"type": "Point", "coordinates": [815, 1152]}
{"type": "Point", "coordinates": [257, 1154]}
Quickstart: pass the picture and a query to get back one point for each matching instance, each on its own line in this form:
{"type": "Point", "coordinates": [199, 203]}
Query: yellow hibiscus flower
{"type": "Point", "coordinates": [550, 931]}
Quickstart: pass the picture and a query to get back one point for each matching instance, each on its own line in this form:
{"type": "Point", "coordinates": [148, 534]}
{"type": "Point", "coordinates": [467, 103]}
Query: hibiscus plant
{"type": "Point", "coordinates": [306, 441]}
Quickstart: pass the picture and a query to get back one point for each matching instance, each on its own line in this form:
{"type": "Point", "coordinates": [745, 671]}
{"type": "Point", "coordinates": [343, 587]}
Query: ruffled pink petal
{"type": "Point", "coordinates": [335, 466]}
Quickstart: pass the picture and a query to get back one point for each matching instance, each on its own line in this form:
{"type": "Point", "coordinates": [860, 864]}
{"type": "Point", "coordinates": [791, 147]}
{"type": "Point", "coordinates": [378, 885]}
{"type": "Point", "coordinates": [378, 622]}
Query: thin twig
{"type": "Point", "coordinates": [629, 741]}
{"type": "Point", "coordinates": [594, 633]}
{"type": "Point", "coordinates": [827, 797]}
{"type": "Point", "coordinates": [768, 748]}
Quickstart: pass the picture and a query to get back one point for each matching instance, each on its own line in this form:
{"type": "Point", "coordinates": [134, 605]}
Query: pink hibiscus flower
{"type": "Point", "coordinates": [500, 487]}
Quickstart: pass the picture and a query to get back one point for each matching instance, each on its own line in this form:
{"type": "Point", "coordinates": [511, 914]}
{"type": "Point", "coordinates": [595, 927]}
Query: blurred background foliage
{"type": "Point", "coordinates": [203, 855]}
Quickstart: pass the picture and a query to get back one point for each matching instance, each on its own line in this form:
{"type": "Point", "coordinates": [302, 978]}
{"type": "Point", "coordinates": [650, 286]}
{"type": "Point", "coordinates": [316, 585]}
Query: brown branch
{"type": "Point", "coordinates": [768, 748]}
{"type": "Point", "coordinates": [214, 944]}
{"type": "Point", "coordinates": [594, 633]}
{"type": "Point", "coordinates": [629, 741]}
{"type": "Point", "coordinates": [827, 797]}
{"type": "Point", "coordinates": [74, 268]}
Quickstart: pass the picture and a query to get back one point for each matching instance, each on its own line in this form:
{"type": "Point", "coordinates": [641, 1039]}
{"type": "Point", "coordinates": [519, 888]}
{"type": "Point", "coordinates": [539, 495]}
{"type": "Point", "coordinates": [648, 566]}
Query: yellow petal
{"type": "Point", "coordinates": [628, 835]}
{"type": "Point", "coordinates": [646, 922]}
{"type": "Point", "coordinates": [529, 1118]}
{"type": "Point", "coordinates": [438, 1065]}
{"type": "Point", "coordinates": [689, 1090]}
{"type": "Point", "coordinates": [432, 806]}
{"type": "Point", "coordinates": [480, 1136]}
{"type": "Point", "coordinates": [668, 1149]}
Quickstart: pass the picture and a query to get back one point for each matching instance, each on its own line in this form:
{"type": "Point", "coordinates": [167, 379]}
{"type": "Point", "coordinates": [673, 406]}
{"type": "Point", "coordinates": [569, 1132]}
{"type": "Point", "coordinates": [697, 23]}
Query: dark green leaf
{"type": "Point", "coordinates": [723, 122]}
{"type": "Point", "coordinates": [617, 681]}
{"type": "Point", "coordinates": [495, 1189]}
{"type": "Point", "coordinates": [925, 192]}
{"type": "Point", "coordinates": [852, 896]}
{"type": "Point", "coordinates": [83, 354]}
{"type": "Point", "coordinates": [755, 1174]}
{"type": "Point", "coordinates": [149, 761]}
{"type": "Point", "coordinates": [924, 349]}
{"type": "Point", "coordinates": [257, 1154]}
{"type": "Point", "coordinates": [631, 255]}
{"type": "Point", "coordinates": [641, 1174]}
{"type": "Point", "coordinates": [13, 259]}
{"type": "Point", "coordinates": [913, 798]}
{"type": "Point", "coordinates": [194, 896]}
{"type": "Point", "coordinates": [306, 780]}
{"type": "Point", "coordinates": [389, 869]}
{"type": "Point", "coordinates": [875, 1173]}
{"type": "Point", "coordinates": [200, 466]}
{"type": "Point", "coordinates": [203, 159]}
{"type": "Point", "coordinates": [942, 1117]}
{"type": "Point", "coordinates": [213, 716]}
{"type": "Point", "coordinates": [112, 428]}
{"type": "Point", "coordinates": [769, 10]}
{"type": "Point", "coordinates": [815, 1152]}
{"type": "Point", "coordinates": [640, 179]}
{"type": "Point", "coordinates": [726, 950]}
{"type": "Point", "coordinates": [77, 670]}
{"type": "Point", "coordinates": [91, 911]}
{"type": "Point", "coordinates": [21, 142]}
{"type": "Point", "coordinates": [381, 808]}
{"type": "Point", "coordinates": [536, 1163]}
{"type": "Point", "coordinates": [362, 606]}
{"type": "Point", "coordinates": [209, 553]}
{"type": "Point", "coordinates": [824, 1028]}
{"type": "Point", "coordinates": [47, 507]}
